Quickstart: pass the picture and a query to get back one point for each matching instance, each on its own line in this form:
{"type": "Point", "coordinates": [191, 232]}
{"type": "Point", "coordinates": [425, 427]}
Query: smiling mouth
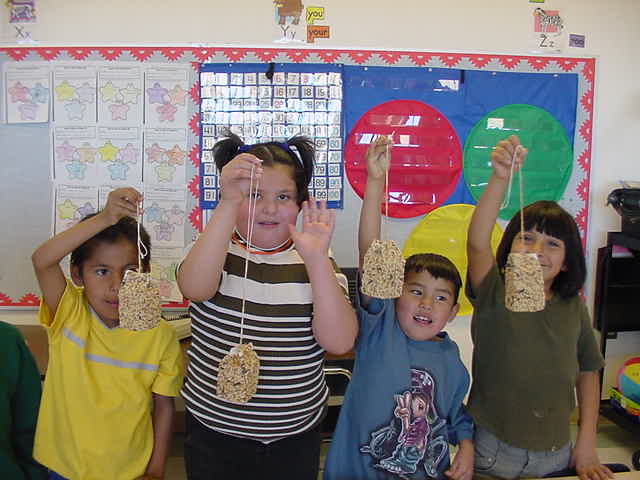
{"type": "Point", "coordinates": [422, 320]}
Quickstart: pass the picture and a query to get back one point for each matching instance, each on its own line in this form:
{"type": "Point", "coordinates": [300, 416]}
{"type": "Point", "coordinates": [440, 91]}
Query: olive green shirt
{"type": "Point", "coordinates": [525, 366]}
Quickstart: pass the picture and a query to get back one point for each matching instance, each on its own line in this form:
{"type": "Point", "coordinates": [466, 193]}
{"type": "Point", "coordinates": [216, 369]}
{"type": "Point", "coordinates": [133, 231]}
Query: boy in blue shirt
{"type": "Point", "coordinates": [403, 406]}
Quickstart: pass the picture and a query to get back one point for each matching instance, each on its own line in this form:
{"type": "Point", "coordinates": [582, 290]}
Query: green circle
{"type": "Point", "coordinates": [547, 168]}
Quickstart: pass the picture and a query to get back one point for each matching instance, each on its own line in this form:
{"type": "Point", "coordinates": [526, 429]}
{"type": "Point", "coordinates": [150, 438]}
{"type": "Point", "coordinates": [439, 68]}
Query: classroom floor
{"type": "Point", "coordinates": [615, 445]}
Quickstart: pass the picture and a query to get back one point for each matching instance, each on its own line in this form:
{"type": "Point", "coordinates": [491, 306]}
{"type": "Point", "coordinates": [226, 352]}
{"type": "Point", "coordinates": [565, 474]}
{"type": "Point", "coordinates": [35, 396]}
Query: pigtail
{"type": "Point", "coordinates": [306, 151]}
{"type": "Point", "coordinates": [226, 149]}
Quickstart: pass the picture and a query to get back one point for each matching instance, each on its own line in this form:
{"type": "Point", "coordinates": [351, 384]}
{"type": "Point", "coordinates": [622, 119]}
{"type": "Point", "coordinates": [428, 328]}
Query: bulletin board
{"type": "Point", "coordinates": [457, 92]}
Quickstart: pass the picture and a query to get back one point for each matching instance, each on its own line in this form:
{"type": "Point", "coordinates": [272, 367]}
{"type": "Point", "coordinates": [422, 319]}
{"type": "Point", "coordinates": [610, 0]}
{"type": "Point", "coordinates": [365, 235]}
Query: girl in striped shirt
{"type": "Point", "coordinates": [295, 308]}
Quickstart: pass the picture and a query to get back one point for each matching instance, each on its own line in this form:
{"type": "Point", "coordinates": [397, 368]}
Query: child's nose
{"type": "Point", "coordinates": [268, 206]}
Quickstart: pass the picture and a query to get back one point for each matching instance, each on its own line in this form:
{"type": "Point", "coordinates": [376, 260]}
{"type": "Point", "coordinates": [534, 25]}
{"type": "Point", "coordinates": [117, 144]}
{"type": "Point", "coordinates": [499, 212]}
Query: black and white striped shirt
{"type": "Point", "coordinates": [292, 393]}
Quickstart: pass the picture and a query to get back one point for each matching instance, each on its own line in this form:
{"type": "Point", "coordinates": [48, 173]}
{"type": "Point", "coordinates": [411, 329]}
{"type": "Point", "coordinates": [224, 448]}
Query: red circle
{"type": "Point", "coordinates": [426, 159]}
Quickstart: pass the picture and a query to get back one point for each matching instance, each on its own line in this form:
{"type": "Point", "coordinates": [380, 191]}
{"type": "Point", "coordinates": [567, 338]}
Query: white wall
{"type": "Point", "coordinates": [498, 26]}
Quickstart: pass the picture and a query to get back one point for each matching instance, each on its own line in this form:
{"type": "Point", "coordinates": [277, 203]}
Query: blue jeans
{"type": "Point", "coordinates": [54, 476]}
{"type": "Point", "coordinates": [494, 458]}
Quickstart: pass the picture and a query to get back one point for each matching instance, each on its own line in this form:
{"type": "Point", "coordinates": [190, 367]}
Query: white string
{"type": "Point", "coordinates": [385, 230]}
{"type": "Point", "coordinates": [505, 201]}
{"type": "Point", "coordinates": [250, 222]}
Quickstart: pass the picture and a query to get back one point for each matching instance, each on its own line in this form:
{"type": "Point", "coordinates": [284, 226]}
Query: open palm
{"type": "Point", "coordinates": [317, 227]}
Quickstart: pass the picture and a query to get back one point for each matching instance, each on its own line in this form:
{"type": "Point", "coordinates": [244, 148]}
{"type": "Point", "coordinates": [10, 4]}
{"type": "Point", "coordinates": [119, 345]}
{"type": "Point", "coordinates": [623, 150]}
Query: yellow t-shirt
{"type": "Point", "coordinates": [95, 416]}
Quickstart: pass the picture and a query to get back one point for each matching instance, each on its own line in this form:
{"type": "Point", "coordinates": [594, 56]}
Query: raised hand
{"type": "Point", "coordinates": [317, 227]}
{"type": "Point", "coordinates": [235, 177]}
{"type": "Point", "coordinates": [502, 157]}
{"type": "Point", "coordinates": [378, 157]}
{"type": "Point", "coordinates": [122, 202]}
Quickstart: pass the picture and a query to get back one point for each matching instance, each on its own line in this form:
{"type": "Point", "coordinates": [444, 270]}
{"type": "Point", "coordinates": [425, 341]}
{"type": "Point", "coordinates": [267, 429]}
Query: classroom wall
{"type": "Point", "coordinates": [495, 26]}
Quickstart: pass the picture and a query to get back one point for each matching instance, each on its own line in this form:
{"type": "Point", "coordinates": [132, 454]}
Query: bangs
{"type": "Point", "coordinates": [550, 220]}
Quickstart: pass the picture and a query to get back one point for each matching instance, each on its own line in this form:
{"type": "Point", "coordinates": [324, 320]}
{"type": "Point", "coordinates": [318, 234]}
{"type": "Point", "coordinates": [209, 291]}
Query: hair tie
{"type": "Point", "coordinates": [293, 150]}
{"type": "Point", "coordinates": [244, 148]}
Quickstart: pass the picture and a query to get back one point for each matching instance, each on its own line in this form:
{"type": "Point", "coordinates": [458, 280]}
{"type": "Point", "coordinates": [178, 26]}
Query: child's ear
{"type": "Point", "coordinates": [454, 312]}
{"type": "Point", "coordinates": [76, 275]}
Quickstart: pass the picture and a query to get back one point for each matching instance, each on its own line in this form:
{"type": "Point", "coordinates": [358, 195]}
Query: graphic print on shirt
{"type": "Point", "coordinates": [415, 438]}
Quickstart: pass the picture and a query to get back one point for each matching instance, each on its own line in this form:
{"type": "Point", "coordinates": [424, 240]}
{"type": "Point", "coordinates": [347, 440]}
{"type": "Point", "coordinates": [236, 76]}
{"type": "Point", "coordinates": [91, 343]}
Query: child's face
{"type": "Point", "coordinates": [425, 306]}
{"type": "Point", "coordinates": [102, 274]}
{"type": "Point", "coordinates": [276, 208]}
{"type": "Point", "coordinates": [550, 251]}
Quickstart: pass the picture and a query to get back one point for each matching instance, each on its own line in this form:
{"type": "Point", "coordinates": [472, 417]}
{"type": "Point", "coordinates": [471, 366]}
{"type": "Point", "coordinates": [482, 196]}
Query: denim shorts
{"type": "Point", "coordinates": [494, 458]}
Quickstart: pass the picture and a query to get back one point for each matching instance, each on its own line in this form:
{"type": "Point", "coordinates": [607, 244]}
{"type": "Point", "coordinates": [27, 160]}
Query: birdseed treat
{"type": "Point", "coordinates": [238, 374]}
{"type": "Point", "coordinates": [383, 270]}
{"type": "Point", "coordinates": [524, 285]}
{"type": "Point", "coordinates": [139, 303]}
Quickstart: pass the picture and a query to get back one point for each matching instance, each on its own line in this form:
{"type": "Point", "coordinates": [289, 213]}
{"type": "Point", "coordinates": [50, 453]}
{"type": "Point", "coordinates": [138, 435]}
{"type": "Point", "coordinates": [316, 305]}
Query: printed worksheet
{"type": "Point", "coordinates": [166, 96]}
{"type": "Point", "coordinates": [27, 93]}
{"type": "Point", "coordinates": [163, 269]}
{"type": "Point", "coordinates": [120, 91]}
{"type": "Point", "coordinates": [165, 215]}
{"type": "Point", "coordinates": [165, 156]}
{"type": "Point", "coordinates": [71, 204]}
{"type": "Point", "coordinates": [74, 94]}
{"type": "Point", "coordinates": [119, 155]}
{"type": "Point", "coordinates": [75, 154]}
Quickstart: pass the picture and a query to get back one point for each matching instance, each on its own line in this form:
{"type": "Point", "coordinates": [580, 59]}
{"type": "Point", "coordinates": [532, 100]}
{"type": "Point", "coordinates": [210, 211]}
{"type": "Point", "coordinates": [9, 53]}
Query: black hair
{"type": "Point", "coordinates": [438, 266]}
{"type": "Point", "coordinates": [271, 153]}
{"type": "Point", "coordinates": [125, 229]}
{"type": "Point", "coordinates": [551, 219]}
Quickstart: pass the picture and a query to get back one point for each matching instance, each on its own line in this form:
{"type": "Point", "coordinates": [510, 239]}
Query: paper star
{"type": "Point", "coordinates": [64, 153]}
{"type": "Point", "coordinates": [118, 171]}
{"type": "Point", "coordinates": [176, 216]}
{"type": "Point", "coordinates": [176, 156]}
{"type": "Point", "coordinates": [65, 91]}
{"type": "Point", "coordinates": [28, 111]}
{"type": "Point", "coordinates": [109, 92]}
{"type": "Point", "coordinates": [177, 95]}
{"type": "Point", "coordinates": [128, 154]}
{"type": "Point", "coordinates": [87, 153]}
{"type": "Point", "coordinates": [76, 170]}
{"type": "Point", "coordinates": [39, 93]}
{"type": "Point", "coordinates": [67, 210]}
{"type": "Point", "coordinates": [86, 209]}
{"type": "Point", "coordinates": [156, 93]}
{"type": "Point", "coordinates": [130, 94]}
{"type": "Point", "coordinates": [108, 152]}
{"type": "Point", "coordinates": [154, 153]}
{"type": "Point", "coordinates": [75, 110]}
{"type": "Point", "coordinates": [18, 93]}
{"type": "Point", "coordinates": [86, 93]}
{"type": "Point", "coordinates": [165, 172]}
{"type": "Point", "coordinates": [119, 111]}
{"type": "Point", "coordinates": [153, 213]}
{"type": "Point", "coordinates": [163, 231]}
{"type": "Point", "coordinates": [165, 288]}
{"type": "Point", "coordinates": [166, 112]}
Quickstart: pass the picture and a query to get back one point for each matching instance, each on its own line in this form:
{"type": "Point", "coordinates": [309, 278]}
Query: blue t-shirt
{"type": "Point", "coordinates": [403, 405]}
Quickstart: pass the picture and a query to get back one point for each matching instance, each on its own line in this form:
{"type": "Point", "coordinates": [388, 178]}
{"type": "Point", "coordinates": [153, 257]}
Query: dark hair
{"type": "Point", "coordinates": [438, 266]}
{"type": "Point", "coordinates": [271, 153]}
{"type": "Point", "coordinates": [551, 219]}
{"type": "Point", "coordinates": [125, 229]}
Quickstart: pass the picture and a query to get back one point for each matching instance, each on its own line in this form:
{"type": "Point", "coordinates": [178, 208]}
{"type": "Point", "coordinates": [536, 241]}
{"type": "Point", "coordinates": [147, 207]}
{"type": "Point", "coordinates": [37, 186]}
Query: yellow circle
{"type": "Point", "coordinates": [444, 231]}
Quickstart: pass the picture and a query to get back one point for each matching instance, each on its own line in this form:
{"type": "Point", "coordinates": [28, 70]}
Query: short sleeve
{"type": "Point", "coordinates": [459, 422]}
{"type": "Point", "coordinates": [488, 290]}
{"type": "Point", "coordinates": [71, 302]}
{"type": "Point", "coordinates": [168, 381]}
{"type": "Point", "coordinates": [589, 356]}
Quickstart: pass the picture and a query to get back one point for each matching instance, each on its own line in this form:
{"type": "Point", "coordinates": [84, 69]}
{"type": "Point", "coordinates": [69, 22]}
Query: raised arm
{"type": "Point", "coordinates": [377, 165]}
{"type": "Point", "coordinates": [47, 257]}
{"type": "Point", "coordinates": [334, 322]}
{"type": "Point", "coordinates": [199, 273]}
{"type": "Point", "coordinates": [479, 254]}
